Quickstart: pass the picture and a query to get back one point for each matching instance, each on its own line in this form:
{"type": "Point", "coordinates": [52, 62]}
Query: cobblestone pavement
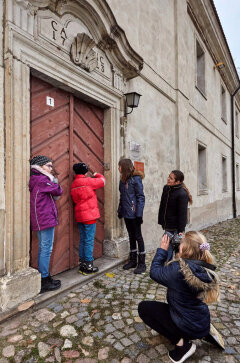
{"type": "Point", "coordinates": [99, 322]}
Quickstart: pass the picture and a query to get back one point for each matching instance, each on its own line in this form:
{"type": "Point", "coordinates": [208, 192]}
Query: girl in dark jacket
{"type": "Point", "coordinates": [44, 189]}
{"type": "Point", "coordinates": [191, 284]}
{"type": "Point", "coordinates": [172, 215]}
{"type": "Point", "coordinates": [130, 208]}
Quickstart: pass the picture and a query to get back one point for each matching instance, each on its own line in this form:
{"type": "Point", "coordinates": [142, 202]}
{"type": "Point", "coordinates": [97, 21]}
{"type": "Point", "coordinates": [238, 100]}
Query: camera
{"type": "Point", "coordinates": [175, 240]}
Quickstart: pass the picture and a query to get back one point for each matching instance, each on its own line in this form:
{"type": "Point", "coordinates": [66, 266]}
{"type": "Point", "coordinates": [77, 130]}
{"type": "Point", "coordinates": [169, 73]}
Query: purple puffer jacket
{"type": "Point", "coordinates": [43, 209]}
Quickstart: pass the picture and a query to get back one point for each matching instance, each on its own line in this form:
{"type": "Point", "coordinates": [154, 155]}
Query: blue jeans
{"type": "Point", "coordinates": [87, 234]}
{"type": "Point", "coordinates": [45, 245]}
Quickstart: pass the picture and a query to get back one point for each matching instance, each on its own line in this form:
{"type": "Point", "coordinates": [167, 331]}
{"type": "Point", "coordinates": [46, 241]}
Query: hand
{"type": "Point", "coordinates": [139, 220]}
{"type": "Point", "coordinates": [165, 242]}
{"type": "Point", "coordinates": [119, 216]}
{"type": "Point", "coordinates": [55, 180]}
{"type": "Point", "coordinates": [94, 174]}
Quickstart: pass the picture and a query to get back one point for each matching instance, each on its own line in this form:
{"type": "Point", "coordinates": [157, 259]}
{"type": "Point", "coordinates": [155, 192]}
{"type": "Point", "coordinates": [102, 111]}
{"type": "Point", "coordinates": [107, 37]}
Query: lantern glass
{"type": "Point", "coordinates": [132, 99]}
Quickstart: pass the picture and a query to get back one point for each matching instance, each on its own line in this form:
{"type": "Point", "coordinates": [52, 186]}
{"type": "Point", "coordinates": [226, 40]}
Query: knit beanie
{"type": "Point", "coordinates": [40, 160]}
{"type": "Point", "coordinates": [80, 168]}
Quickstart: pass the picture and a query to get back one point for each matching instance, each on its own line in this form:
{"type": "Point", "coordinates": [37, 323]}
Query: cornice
{"type": "Point", "coordinates": [109, 37]}
{"type": "Point", "coordinates": [204, 18]}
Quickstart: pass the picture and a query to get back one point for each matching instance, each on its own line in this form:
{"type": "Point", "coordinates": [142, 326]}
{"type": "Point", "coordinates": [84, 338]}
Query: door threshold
{"type": "Point", "coordinates": [69, 280]}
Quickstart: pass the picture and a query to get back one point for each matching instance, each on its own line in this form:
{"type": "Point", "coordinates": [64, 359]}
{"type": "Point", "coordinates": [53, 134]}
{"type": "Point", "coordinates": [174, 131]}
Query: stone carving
{"type": "Point", "coordinates": [82, 52]}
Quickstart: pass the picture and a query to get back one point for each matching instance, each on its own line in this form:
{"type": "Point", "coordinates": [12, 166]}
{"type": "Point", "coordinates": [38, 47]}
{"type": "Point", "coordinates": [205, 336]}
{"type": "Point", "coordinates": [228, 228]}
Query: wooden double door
{"type": "Point", "coordinates": [68, 130]}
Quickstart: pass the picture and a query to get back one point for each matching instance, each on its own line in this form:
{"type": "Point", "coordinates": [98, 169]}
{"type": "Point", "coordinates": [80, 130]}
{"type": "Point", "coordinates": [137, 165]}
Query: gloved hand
{"type": "Point", "coordinates": [139, 220]}
{"type": "Point", "coordinates": [55, 180]}
{"type": "Point", "coordinates": [119, 216]}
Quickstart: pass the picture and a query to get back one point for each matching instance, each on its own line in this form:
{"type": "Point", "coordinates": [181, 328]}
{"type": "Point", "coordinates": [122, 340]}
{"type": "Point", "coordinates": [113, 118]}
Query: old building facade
{"type": "Point", "coordinates": [64, 69]}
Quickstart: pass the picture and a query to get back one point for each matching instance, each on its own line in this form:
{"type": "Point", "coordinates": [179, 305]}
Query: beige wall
{"type": "Point", "coordinates": [164, 35]}
{"type": "Point", "coordinates": [2, 170]}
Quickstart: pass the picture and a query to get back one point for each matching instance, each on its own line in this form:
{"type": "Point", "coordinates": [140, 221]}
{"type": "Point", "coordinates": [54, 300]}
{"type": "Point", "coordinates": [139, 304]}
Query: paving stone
{"type": "Point", "coordinates": [67, 344]}
{"type": "Point", "coordinates": [143, 359]}
{"type": "Point", "coordinates": [71, 354]}
{"type": "Point", "coordinates": [8, 351]}
{"type": "Point", "coordinates": [44, 315]}
{"type": "Point", "coordinates": [15, 338]}
{"type": "Point", "coordinates": [126, 342]}
{"type": "Point", "coordinates": [103, 353]}
{"type": "Point", "coordinates": [43, 349]}
{"type": "Point", "coordinates": [88, 341]}
{"type": "Point", "coordinates": [68, 331]}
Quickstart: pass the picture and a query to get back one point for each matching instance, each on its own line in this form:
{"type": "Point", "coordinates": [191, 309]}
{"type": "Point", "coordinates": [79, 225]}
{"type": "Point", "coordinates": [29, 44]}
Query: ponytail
{"type": "Point", "coordinates": [188, 193]}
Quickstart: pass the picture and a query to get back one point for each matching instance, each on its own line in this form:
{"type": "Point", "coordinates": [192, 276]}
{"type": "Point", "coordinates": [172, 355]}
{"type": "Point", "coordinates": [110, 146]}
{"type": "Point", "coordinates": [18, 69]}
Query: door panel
{"type": "Point", "coordinates": [51, 136]}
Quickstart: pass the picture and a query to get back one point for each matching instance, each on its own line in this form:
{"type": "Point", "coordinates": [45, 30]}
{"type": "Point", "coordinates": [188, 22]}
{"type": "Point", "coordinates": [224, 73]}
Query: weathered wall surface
{"type": "Point", "coordinates": [2, 154]}
{"type": "Point", "coordinates": [163, 33]}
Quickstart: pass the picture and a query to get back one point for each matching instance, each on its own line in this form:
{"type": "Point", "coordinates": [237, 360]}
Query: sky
{"type": "Point", "coordinates": [229, 14]}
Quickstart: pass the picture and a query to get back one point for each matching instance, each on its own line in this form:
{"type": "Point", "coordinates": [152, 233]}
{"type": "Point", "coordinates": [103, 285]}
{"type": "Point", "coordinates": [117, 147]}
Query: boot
{"type": "Point", "coordinates": [55, 282]}
{"type": "Point", "coordinates": [88, 268]}
{"type": "Point", "coordinates": [48, 285]}
{"type": "Point", "coordinates": [141, 263]}
{"type": "Point", "coordinates": [132, 263]}
{"type": "Point", "coordinates": [81, 266]}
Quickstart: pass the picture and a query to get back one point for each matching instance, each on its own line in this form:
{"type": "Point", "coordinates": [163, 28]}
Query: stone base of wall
{"type": "Point", "coordinates": [19, 287]}
{"type": "Point", "coordinates": [118, 248]}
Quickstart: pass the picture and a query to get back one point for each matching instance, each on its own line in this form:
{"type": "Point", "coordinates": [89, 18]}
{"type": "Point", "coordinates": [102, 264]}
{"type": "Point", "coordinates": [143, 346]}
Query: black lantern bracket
{"type": "Point", "coordinates": [131, 101]}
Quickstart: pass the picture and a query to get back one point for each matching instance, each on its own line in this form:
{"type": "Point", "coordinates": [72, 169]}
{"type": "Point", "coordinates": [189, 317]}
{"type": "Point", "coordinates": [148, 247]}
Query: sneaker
{"type": "Point", "coordinates": [215, 338]}
{"type": "Point", "coordinates": [180, 354]}
{"type": "Point", "coordinates": [88, 268]}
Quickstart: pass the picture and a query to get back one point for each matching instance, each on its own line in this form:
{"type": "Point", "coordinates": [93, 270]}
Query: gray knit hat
{"type": "Point", "coordinates": [40, 160]}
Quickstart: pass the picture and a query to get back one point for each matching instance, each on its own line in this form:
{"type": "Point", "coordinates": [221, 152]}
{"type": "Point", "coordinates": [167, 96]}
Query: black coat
{"type": "Point", "coordinates": [186, 284]}
{"type": "Point", "coordinates": [172, 213]}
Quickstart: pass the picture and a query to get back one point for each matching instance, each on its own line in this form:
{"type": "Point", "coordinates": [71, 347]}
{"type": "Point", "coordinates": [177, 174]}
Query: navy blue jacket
{"type": "Point", "coordinates": [172, 213]}
{"type": "Point", "coordinates": [132, 199]}
{"type": "Point", "coordinates": [187, 309]}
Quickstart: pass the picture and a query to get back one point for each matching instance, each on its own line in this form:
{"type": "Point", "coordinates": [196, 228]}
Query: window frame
{"type": "Point", "coordinates": [199, 88]}
{"type": "Point", "coordinates": [202, 191]}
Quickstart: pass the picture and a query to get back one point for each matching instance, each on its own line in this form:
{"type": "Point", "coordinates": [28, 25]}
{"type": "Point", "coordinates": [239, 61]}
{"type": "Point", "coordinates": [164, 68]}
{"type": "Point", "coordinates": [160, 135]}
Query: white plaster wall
{"type": "Point", "coordinates": [2, 171]}
{"type": "Point", "coordinates": [149, 27]}
{"type": "Point", "coordinates": [152, 125]}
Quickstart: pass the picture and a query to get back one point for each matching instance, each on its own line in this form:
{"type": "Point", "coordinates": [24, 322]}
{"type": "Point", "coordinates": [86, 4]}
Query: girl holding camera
{"type": "Point", "coordinates": [191, 284]}
{"type": "Point", "coordinates": [131, 204]}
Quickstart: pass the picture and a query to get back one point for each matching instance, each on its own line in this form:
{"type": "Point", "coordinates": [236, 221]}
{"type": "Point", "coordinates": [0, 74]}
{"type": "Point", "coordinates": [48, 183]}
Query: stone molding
{"type": "Point", "coordinates": [82, 53]}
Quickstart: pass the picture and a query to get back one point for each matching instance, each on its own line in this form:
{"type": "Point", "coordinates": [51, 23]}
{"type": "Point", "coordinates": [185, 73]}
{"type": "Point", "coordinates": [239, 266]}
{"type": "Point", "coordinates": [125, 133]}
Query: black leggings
{"type": "Point", "coordinates": [135, 234]}
{"type": "Point", "coordinates": [157, 316]}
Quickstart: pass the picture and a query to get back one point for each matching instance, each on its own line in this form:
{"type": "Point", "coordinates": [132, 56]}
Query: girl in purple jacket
{"type": "Point", "coordinates": [44, 189]}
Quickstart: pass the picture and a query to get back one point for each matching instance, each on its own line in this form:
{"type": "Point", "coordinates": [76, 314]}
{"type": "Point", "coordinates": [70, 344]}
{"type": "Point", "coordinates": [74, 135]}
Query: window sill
{"type": "Point", "coordinates": [224, 191]}
{"type": "Point", "coordinates": [202, 93]}
{"type": "Point", "coordinates": [203, 192]}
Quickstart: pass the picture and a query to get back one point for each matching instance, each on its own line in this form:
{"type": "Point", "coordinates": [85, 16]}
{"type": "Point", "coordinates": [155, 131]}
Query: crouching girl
{"type": "Point", "coordinates": [192, 284]}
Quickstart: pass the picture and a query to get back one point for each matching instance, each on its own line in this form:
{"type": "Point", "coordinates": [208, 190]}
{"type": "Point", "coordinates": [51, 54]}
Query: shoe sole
{"type": "Point", "coordinates": [55, 288]}
{"type": "Point", "coordinates": [216, 336]}
{"type": "Point", "coordinates": [187, 355]}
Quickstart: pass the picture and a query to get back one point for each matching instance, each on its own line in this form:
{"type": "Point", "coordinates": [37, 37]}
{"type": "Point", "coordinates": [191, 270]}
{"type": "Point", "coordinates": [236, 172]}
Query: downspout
{"type": "Point", "coordinates": [233, 156]}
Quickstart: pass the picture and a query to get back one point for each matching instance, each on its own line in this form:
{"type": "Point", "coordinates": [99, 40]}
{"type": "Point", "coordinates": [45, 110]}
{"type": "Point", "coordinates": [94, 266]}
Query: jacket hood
{"type": "Point", "coordinates": [36, 178]}
{"type": "Point", "coordinates": [199, 277]}
{"type": "Point", "coordinates": [139, 173]}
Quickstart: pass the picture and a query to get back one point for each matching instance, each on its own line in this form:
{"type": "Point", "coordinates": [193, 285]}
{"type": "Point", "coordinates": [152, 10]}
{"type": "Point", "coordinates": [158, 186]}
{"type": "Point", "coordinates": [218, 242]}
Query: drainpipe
{"type": "Point", "coordinates": [233, 156]}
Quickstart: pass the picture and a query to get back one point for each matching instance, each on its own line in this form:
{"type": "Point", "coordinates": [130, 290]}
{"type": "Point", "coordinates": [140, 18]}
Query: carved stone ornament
{"type": "Point", "coordinates": [82, 52]}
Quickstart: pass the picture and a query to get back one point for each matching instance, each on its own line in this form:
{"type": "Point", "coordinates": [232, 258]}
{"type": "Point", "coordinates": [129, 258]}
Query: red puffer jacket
{"type": "Point", "coordinates": [84, 196]}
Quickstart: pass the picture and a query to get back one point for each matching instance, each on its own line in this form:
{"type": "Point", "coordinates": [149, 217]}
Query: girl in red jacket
{"type": "Point", "coordinates": [86, 213]}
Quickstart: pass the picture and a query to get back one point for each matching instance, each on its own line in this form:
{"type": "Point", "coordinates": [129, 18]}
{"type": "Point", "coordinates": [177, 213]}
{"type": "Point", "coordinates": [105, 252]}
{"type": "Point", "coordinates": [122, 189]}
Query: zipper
{"type": "Point", "coordinates": [36, 209]}
{"type": "Point", "coordinates": [54, 206]}
{"type": "Point", "coordinates": [166, 209]}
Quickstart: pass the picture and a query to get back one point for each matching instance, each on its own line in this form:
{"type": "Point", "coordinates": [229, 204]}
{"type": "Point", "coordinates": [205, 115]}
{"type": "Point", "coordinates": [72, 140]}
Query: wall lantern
{"type": "Point", "coordinates": [219, 65]}
{"type": "Point", "coordinates": [131, 101]}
